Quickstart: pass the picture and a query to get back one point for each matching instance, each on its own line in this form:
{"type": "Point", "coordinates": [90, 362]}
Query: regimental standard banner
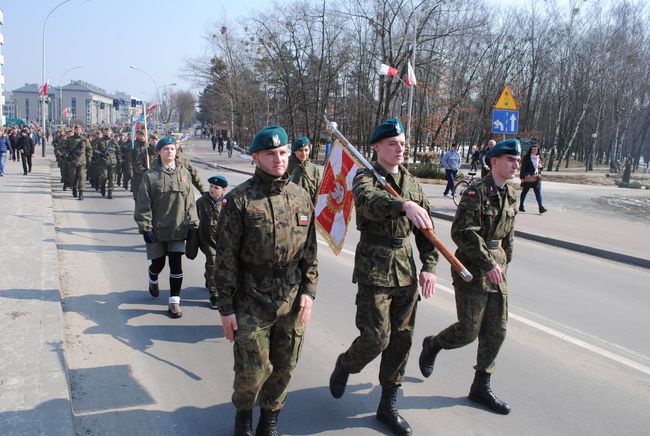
{"type": "Point", "coordinates": [335, 199]}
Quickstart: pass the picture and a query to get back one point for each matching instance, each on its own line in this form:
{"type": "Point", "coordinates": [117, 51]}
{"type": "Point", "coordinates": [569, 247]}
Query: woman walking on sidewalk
{"type": "Point", "coordinates": [165, 211]}
{"type": "Point", "coordinates": [531, 177]}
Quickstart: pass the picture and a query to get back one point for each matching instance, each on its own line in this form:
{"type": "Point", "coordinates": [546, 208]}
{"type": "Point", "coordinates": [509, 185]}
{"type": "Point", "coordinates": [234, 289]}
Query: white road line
{"type": "Point", "coordinates": [556, 333]}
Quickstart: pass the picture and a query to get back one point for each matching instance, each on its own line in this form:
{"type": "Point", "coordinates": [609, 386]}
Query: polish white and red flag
{"type": "Point", "coordinates": [67, 112]}
{"type": "Point", "coordinates": [410, 77]}
{"type": "Point", "coordinates": [387, 70]}
{"type": "Point", "coordinates": [44, 88]}
{"type": "Point", "coordinates": [335, 200]}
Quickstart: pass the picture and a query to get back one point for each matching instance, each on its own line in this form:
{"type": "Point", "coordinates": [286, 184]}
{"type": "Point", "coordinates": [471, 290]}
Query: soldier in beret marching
{"type": "Point", "coordinates": [165, 212]}
{"type": "Point", "coordinates": [483, 230]}
{"type": "Point", "coordinates": [385, 272]}
{"type": "Point", "coordinates": [266, 274]}
{"type": "Point", "coordinates": [301, 170]}
{"type": "Point", "coordinates": [209, 209]}
{"type": "Point", "coordinates": [79, 155]}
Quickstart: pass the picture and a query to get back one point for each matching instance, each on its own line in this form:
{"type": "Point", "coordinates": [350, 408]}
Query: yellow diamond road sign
{"type": "Point", "coordinates": [506, 100]}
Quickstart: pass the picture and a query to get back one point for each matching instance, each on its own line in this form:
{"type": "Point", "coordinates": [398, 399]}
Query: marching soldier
{"type": "Point", "coordinates": [165, 212]}
{"type": "Point", "coordinates": [267, 275]}
{"type": "Point", "coordinates": [79, 156]}
{"type": "Point", "coordinates": [107, 160]}
{"type": "Point", "coordinates": [119, 168]}
{"type": "Point", "coordinates": [209, 209]}
{"type": "Point", "coordinates": [301, 170]}
{"type": "Point", "coordinates": [185, 161]}
{"type": "Point", "coordinates": [93, 165]}
{"type": "Point", "coordinates": [483, 230]}
{"type": "Point", "coordinates": [126, 159]}
{"type": "Point", "coordinates": [142, 155]}
{"type": "Point", "coordinates": [385, 272]}
{"type": "Point", "coordinates": [57, 146]}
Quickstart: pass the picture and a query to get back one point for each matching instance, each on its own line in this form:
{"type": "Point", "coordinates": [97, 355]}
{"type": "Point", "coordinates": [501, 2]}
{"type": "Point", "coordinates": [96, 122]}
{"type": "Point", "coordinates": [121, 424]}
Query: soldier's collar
{"type": "Point", "coordinates": [270, 183]}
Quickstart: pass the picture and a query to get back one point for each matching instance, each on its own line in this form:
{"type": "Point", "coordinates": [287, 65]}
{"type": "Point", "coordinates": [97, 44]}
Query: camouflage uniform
{"type": "Point", "coordinates": [141, 155]}
{"type": "Point", "coordinates": [483, 230]}
{"type": "Point", "coordinates": [267, 259]}
{"type": "Point", "coordinates": [57, 146]}
{"type": "Point", "coordinates": [107, 160]}
{"type": "Point", "coordinates": [209, 211]}
{"type": "Point", "coordinates": [79, 155]}
{"type": "Point", "coordinates": [304, 174]}
{"type": "Point", "coordinates": [386, 274]}
{"type": "Point", "coordinates": [185, 161]}
{"type": "Point", "coordinates": [126, 161]}
{"type": "Point", "coordinates": [93, 164]}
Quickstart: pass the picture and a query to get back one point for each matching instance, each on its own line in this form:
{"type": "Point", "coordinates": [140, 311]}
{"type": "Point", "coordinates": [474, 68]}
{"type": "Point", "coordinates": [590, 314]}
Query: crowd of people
{"type": "Point", "coordinates": [18, 144]}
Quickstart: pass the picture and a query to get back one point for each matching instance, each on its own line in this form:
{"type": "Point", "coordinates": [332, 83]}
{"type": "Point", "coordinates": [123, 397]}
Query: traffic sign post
{"type": "Point", "coordinates": [505, 121]}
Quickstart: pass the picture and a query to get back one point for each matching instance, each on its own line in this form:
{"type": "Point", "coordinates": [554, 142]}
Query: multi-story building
{"type": "Point", "coordinates": [2, 62]}
{"type": "Point", "coordinates": [9, 106]}
{"type": "Point", "coordinates": [89, 104]}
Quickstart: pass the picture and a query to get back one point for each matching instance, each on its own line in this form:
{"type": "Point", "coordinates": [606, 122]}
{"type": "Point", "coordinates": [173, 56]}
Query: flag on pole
{"type": "Point", "coordinates": [410, 78]}
{"type": "Point", "coordinates": [43, 89]}
{"type": "Point", "coordinates": [134, 127]}
{"type": "Point", "coordinates": [335, 200]}
{"type": "Point", "coordinates": [152, 107]}
{"type": "Point", "coordinates": [67, 112]}
{"type": "Point", "coordinates": [387, 70]}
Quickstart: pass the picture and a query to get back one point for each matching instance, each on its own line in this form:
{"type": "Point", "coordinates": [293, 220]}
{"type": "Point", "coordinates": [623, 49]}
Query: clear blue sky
{"type": "Point", "coordinates": [106, 36]}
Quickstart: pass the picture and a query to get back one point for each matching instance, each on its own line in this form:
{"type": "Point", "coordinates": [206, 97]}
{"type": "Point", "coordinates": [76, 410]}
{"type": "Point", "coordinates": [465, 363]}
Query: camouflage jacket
{"type": "Point", "coordinates": [208, 212]}
{"type": "Point", "coordinates": [140, 154]}
{"type": "Point", "coordinates": [165, 203]}
{"type": "Point", "coordinates": [126, 153]}
{"type": "Point", "coordinates": [107, 151]}
{"type": "Point", "coordinates": [483, 230]}
{"type": "Point", "coordinates": [304, 174]}
{"type": "Point", "coordinates": [378, 260]}
{"type": "Point", "coordinates": [267, 247]}
{"type": "Point", "coordinates": [185, 161]}
{"type": "Point", "coordinates": [79, 150]}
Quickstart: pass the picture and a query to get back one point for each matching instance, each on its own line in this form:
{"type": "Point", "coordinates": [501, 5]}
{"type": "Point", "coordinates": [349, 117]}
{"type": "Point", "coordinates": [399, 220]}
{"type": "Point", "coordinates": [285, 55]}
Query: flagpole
{"type": "Point", "coordinates": [407, 152]}
{"type": "Point", "coordinates": [146, 134]}
{"type": "Point", "coordinates": [428, 233]}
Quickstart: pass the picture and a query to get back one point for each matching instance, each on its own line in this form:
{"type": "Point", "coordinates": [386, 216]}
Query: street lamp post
{"type": "Point", "coordinates": [157, 96]}
{"type": "Point", "coordinates": [61, 90]}
{"type": "Point", "coordinates": [44, 102]}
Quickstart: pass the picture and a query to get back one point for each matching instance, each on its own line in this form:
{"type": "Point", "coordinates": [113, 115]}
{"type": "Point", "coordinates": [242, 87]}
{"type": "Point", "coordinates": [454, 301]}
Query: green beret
{"type": "Point", "coordinates": [507, 146]}
{"type": "Point", "coordinates": [301, 142]}
{"type": "Point", "coordinates": [165, 140]}
{"type": "Point", "coordinates": [269, 138]}
{"type": "Point", "coordinates": [218, 181]}
{"type": "Point", "coordinates": [389, 128]}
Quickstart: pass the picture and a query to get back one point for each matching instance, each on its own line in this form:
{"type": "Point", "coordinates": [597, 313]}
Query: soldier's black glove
{"type": "Point", "coordinates": [149, 236]}
{"type": "Point", "coordinates": [189, 234]}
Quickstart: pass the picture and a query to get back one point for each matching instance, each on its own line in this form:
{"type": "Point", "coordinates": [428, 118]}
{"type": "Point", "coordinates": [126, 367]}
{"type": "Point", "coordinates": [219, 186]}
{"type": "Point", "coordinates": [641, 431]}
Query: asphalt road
{"type": "Point", "coordinates": [575, 362]}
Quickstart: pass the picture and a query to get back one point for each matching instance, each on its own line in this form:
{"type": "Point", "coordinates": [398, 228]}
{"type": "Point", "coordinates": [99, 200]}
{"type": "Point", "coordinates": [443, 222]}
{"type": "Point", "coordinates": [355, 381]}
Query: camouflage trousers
{"type": "Point", "coordinates": [210, 269]}
{"type": "Point", "coordinates": [482, 314]}
{"type": "Point", "coordinates": [385, 319]}
{"type": "Point", "coordinates": [126, 175]}
{"type": "Point", "coordinates": [78, 177]}
{"type": "Point", "coordinates": [266, 353]}
{"type": "Point", "coordinates": [106, 176]}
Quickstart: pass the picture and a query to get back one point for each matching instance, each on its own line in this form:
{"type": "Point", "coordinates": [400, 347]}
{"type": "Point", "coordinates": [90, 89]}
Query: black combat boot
{"type": "Point", "coordinates": [481, 393]}
{"type": "Point", "coordinates": [110, 194]}
{"type": "Point", "coordinates": [244, 423]}
{"type": "Point", "coordinates": [65, 186]}
{"type": "Point", "coordinates": [430, 350]}
{"type": "Point", "coordinates": [388, 414]}
{"type": "Point", "coordinates": [81, 195]}
{"type": "Point", "coordinates": [74, 191]}
{"type": "Point", "coordinates": [103, 191]}
{"type": "Point", "coordinates": [268, 423]}
{"type": "Point", "coordinates": [338, 379]}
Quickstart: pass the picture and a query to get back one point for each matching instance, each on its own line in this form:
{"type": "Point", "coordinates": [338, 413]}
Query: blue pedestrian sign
{"type": "Point", "coordinates": [505, 121]}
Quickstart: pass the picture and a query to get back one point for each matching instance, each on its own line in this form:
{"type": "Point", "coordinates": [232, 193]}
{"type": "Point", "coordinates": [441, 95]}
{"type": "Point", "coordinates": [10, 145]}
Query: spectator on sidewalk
{"type": "Point", "coordinates": [483, 160]}
{"type": "Point", "coordinates": [26, 147]}
{"type": "Point", "coordinates": [13, 142]}
{"type": "Point", "coordinates": [4, 147]}
{"type": "Point", "coordinates": [475, 158]}
{"type": "Point", "coordinates": [165, 212]}
{"type": "Point", "coordinates": [531, 178]}
{"type": "Point", "coordinates": [451, 164]}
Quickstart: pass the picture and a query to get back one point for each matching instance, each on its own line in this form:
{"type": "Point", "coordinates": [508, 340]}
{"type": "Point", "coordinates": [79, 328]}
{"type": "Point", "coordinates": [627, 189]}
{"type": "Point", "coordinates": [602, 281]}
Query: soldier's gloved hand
{"type": "Point", "coordinates": [189, 234]}
{"type": "Point", "coordinates": [149, 236]}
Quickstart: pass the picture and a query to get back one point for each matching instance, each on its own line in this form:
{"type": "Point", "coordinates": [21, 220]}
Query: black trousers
{"type": "Point", "coordinates": [27, 162]}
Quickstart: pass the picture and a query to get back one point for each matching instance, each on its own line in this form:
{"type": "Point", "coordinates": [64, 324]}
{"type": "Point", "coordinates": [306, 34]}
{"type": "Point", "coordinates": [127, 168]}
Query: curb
{"type": "Point", "coordinates": [573, 246]}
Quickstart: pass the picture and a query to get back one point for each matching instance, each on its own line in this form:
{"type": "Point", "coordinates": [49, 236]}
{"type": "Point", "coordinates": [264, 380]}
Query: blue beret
{"type": "Point", "coordinates": [389, 128]}
{"type": "Point", "coordinates": [269, 138]}
{"type": "Point", "coordinates": [507, 146]}
{"type": "Point", "coordinates": [219, 181]}
{"type": "Point", "coordinates": [165, 140]}
{"type": "Point", "coordinates": [301, 142]}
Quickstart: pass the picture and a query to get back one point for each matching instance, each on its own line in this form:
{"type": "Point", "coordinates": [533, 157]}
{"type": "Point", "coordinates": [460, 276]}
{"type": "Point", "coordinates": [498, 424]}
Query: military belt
{"type": "Point", "coordinates": [272, 271]}
{"type": "Point", "coordinates": [494, 244]}
{"type": "Point", "coordinates": [384, 241]}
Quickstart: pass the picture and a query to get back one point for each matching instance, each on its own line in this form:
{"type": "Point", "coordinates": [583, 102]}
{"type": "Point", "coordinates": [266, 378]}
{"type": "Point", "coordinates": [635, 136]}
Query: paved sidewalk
{"type": "Point", "coordinates": [34, 394]}
{"type": "Point", "coordinates": [604, 221]}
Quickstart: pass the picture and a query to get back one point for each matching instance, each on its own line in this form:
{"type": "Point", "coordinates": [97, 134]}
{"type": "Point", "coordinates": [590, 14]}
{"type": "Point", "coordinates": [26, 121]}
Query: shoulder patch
{"type": "Point", "coordinates": [470, 193]}
{"type": "Point", "coordinates": [224, 201]}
